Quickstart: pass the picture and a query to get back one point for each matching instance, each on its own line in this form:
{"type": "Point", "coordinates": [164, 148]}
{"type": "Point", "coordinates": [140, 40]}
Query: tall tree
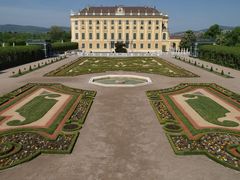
{"type": "Point", "coordinates": [56, 33]}
{"type": "Point", "coordinates": [120, 47]}
{"type": "Point", "coordinates": [213, 32]}
{"type": "Point", "coordinates": [188, 39]}
{"type": "Point", "coordinates": [233, 37]}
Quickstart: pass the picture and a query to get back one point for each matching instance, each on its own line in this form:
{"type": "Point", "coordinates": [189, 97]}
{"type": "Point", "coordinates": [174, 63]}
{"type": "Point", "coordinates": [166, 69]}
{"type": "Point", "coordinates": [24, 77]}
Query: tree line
{"type": "Point", "coordinates": [18, 55]}
{"type": "Point", "coordinates": [215, 34]}
{"type": "Point", "coordinates": [222, 55]}
{"type": "Point", "coordinates": [55, 34]}
{"type": "Point", "coordinates": [226, 50]}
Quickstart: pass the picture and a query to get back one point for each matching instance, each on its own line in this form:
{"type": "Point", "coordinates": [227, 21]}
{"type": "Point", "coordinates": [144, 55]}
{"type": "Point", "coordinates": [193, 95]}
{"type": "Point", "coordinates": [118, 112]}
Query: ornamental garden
{"type": "Point", "coordinates": [200, 119]}
{"type": "Point", "coordinates": [40, 118]}
{"type": "Point", "coordinates": [151, 65]}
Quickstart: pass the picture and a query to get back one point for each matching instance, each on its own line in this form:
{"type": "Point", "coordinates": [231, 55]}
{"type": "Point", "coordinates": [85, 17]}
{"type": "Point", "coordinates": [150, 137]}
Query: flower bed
{"type": "Point", "coordinates": [23, 144]}
{"type": "Point", "coordinates": [220, 144]}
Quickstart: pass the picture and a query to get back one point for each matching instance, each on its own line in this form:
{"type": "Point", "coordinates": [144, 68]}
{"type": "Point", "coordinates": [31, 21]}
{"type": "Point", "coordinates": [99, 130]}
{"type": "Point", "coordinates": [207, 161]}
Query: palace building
{"type": "Point", "coordinates": [142, 29]}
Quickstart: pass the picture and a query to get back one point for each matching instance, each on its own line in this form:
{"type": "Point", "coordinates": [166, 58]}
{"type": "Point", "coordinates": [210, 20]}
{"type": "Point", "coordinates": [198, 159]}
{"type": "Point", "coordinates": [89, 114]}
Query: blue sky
{"type": "Point", "coordinates": [184, 14]}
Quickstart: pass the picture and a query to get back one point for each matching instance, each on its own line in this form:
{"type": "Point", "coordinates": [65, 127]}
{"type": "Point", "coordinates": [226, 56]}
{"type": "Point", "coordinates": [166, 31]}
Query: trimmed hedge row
{"type": "Point", "coordinates": [222, 55]}
{"type": "Point", "coordinates": [18, 55]}
{"type": "Point", "coordinates": [62, 47]}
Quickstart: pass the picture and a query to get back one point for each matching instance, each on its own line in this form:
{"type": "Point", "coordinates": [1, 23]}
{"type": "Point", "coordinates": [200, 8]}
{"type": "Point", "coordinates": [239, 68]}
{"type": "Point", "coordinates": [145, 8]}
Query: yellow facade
{"type": "Point", "coordinates": [97, 29]}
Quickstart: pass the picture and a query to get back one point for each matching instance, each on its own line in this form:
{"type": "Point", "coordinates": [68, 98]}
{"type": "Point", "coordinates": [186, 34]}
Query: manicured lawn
{"type": "Point", "coordinates": [210, 110]}
{"type": "Point", "coordinates": [34, 110]}
{"type": "Point", "coordinates": [152, 65]}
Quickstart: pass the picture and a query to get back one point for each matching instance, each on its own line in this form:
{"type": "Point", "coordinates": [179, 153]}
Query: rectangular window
{"type": "Point", "coordinates": [90, 35]}
{"type": "Point", "coordinates": [149, 46]}
{"type": "Point", "coordinates": [127, 45]}
{"type": "Point", "coordinates": [82, 21]}
{"type": "Point", "coordinates": [127, 22]}
{"type": "Point", "coordinates": [105, 22]}
{"type": "Point", "coordinates": [119, 35]}
{"type": "Point", "coordinates": [156, 36]}
{"type": "Point", "coordinates": [127, 27]}
{"type": "Point", "coordinates": [149, 22]}
{"type": "Point", "coordinates": [127, 36]}
{"type": "Point", "coordinates": [90, 22]}
{"type": "Point", "coordinates": [90, 46]}
{"type": "Point", "coordinates": [142, 22]}
{"type": "Point", "coordinates": [105, 45]}
{"type": "Point", "coordinates": [134, 22]}
{"type": "Point", "coordinates": [141, 46]}
{"type": "Point", "coordinates": [83, 35]}
{"type": "Point", "coordinates": [156, 46]}
{"type": "Point", "coordinates": [164, 36]}
{"type": "Point", "coordinates": [157, 22]}
{"type": "Point", "coordinates": [134, 36]}
{"type": "Point", "coordinates": [112, 36]}
{"type": "Point", "coordinates": [83, 45]}
{"type": "Point", "coordinates": [98, 46]}
{"type": "Point", "coordinates": [134, 46]}
{"type": "Point", "coordinates": [119, 22]}
{"type": "Point", "coordinates": [149, 36]}
{"type": "Point", "coordinates": [76, 35]}
{"type": "Point", "coordinates": [76, 23]}
{"type": "Point", "coordinates": [105, 36]}
{"type": "Point", "coordinates": [112, 21]}
{"type": "Point", "coordinates": [98, 22]}
{"type": "Point", "coordinates": [98, 35]}
{"type": "Point", "coordinates": [142, 36]}
{"type": "Point", "coordinates": [112, 44]}
{"type": "Point", "coordinates": [112, 27]}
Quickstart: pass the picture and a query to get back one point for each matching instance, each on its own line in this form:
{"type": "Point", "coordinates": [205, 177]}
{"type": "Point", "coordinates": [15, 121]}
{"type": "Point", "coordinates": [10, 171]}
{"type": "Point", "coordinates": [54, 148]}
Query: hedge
{"type": "Point", "coordinates": [18, 55]}
{"type": "Point", "coordinates": [61, 47]}
{"type": "Point", "coordinates": [222, 55]}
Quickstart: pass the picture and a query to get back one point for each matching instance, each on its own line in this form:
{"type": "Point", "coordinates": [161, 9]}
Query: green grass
{"type": "Point", "coordinates": [238, 149]}
{"type": "Point", "coordinates": [210, 111]}
{"type": "Point", "coordinates": [151, 65]}
{"type": "Point", "coordinates": [34, 110]}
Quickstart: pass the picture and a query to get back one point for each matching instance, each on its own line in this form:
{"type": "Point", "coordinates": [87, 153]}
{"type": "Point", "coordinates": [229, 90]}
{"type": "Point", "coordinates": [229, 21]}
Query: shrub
{"type": "Point", "coordinates": [18, 55]}
{"type": "Point", "coordinates": [222, 55]}
{"type": "Point", "coordinates": [62, 47]}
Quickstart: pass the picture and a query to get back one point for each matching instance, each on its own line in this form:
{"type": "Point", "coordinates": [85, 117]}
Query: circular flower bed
{"type": "Point", "coordinates": [171, 127]}
{"type": "Point", "coordinates": [71, 127]}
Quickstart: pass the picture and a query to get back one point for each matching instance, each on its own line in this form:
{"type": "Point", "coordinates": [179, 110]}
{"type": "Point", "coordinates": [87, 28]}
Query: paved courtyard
{"type": "Point", "coordinates": [122, 138]}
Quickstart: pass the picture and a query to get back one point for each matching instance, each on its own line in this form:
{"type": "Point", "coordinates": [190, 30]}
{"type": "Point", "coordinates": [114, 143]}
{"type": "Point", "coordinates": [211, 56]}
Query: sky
{"type": "Point", "coordinates": [184, 14]}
